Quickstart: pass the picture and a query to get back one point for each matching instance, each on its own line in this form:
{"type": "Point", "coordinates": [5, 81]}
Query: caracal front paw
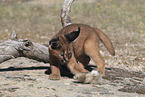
{"type": "Point", "coordinates": [54, 77]}
{"type": "Point", "coordinates": [88, 77]}
{"type": "Point", "coordinates": [80, 77]}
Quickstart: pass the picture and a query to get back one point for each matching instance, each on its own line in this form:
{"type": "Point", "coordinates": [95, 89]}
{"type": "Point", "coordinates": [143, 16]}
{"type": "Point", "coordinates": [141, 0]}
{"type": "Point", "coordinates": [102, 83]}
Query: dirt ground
{"type": "Point", "coordinates": [37, 20]}
{"type": "Point", "coordinates": [26, 78]}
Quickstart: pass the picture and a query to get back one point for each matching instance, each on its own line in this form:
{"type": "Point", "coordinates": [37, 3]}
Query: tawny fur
{"type": "Point", "coordinates": [83, 48]}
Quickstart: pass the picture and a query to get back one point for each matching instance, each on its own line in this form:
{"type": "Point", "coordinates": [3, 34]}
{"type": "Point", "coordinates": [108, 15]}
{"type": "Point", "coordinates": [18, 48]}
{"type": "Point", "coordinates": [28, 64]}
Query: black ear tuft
{"type": "Point", "coordinates": [55, 43]}
{"type": "Point", "coordinates": [53, 40]}
{"type": "Point", "coordinates": [73, 35]}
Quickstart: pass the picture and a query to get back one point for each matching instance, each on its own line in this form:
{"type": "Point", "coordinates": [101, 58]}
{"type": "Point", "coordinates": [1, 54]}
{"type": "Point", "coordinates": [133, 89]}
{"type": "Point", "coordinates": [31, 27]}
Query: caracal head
{"type": "Point", "coordinates": [61, 45]}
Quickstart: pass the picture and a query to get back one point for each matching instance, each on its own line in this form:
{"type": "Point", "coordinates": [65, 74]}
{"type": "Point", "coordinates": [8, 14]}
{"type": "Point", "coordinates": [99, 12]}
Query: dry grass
{"type": "Point", "coordinates": [122, 20]}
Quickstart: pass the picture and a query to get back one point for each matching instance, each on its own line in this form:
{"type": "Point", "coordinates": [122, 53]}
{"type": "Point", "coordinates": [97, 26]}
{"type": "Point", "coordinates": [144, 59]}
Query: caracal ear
{"type": "Point", "coordinates": [73, 35]}
{"type": "Point", "coordinates": [54, 43]}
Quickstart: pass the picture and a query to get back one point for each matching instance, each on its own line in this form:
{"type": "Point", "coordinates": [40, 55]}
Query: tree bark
{"type": "Point", "coordinates": [15, 47]}
{"type": "Point", "coordinates": [66, 8]}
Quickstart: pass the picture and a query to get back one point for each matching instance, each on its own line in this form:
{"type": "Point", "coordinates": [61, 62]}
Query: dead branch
{"type": "Point", "coordinates": [15, 47]}
{"type": "Point", "coordinates": [66, 8]}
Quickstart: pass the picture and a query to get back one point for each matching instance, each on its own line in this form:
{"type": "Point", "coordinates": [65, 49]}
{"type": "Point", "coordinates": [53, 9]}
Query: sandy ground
{"type": "Point", "coordinates": [29, 80]}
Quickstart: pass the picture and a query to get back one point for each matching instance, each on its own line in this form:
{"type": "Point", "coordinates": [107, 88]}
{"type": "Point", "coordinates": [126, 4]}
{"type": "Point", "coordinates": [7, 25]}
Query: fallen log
{"type": "Point", "coordinates": [15, 47]}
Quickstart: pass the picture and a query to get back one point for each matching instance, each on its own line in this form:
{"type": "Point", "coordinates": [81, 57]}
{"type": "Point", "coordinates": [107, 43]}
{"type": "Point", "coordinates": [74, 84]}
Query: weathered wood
{"type": "Point", "coordinates": [37, 52]}
{"type": "Point", "coordinates": [15, 47]}
{"type": "Point", "coordinates": [66, 8]}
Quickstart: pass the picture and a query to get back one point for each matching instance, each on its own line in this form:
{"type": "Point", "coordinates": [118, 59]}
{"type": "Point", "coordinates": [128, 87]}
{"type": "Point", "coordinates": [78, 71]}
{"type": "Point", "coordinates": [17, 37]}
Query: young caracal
{"type": "Point", "coordinates": [74, 46]}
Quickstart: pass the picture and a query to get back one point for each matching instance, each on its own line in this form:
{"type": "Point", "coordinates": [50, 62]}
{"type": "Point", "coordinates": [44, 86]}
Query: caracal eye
{"type": "Point", "coordinates": [69, 55]}
{"type": "Point", "coordinates": [61, 55]}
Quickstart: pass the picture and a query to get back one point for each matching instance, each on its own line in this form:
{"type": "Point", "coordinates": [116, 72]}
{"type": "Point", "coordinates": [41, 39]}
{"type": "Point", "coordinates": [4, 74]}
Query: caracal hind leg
{"type": "Point", "coordinates": [92, 50]}
{"type": "Point", "coordinates": [55, 73]}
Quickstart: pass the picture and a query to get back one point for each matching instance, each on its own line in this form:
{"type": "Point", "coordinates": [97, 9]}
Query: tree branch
{"type": "Point", "coordinates": [66, 8]}
{"type": "Point", "coordinates": [15, 47]}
